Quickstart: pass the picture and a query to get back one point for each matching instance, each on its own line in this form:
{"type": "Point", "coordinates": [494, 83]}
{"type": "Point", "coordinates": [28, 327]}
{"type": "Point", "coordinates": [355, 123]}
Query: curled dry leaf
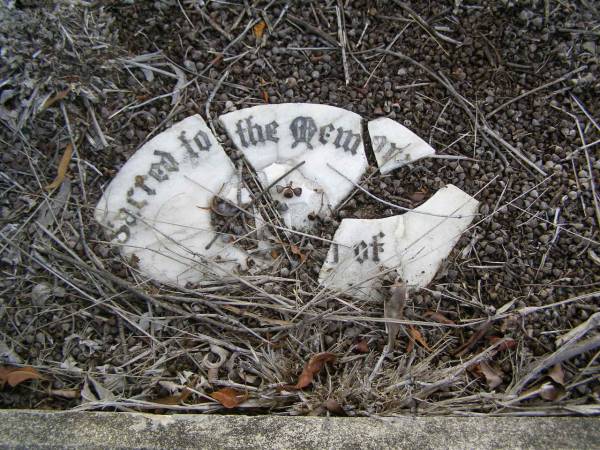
{"type": "Point", "coordinates": [14, 376]}
{"type": "Point", "coordinates": [259, 29]}
{"type": "Point", "coordinates": [314, 366]}
{"type": "Point", "coordinates": [547, 390]}
{"type": "Point", "coordinates": [551, 391]}
{"type": "Point", "coordinates": [229, 397]}
{"type": "Point", "coordinates": [296, 251]}
{"type": "Point", "coordinates": [418, 337]}
{"type": "Point", "coordinates": [361, 346]}
{"type": "Point", "coordinates": [492, 376]}
{"type": "Point", "coordinates": [439, 317]}
{"type": "Point", "coordinates": [55, 98]}
{"type": "Point", "coordinates": [557, 374]}
{"type": "Point", "coordinates": [62, 168]}
{"type": "Point", "coordinates": [223, 207]}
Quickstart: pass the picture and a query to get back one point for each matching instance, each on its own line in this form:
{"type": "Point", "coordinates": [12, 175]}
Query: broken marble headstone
{"type": "Point", "coordinates": [158, 207]}
{"type": "Point", "coordinates": [276, 138]}
{"type": "Point", "coordinates": [412, 245]}
{"type": "Point", "coordinates": [395, 145]}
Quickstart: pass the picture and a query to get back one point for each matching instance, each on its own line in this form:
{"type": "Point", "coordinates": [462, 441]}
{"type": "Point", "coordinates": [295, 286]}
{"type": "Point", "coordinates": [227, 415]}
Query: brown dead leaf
{"type": "Point", "coordinates": [296, 251]}
{"type": "Point", "coordinates": [551, 391]}
{"type": "Point", "coordinates": [55, 98]}
{"type": "Point", "coordinates": [174, 399]}
{"type": "Point", "coordinates": [410, 346]}
{"type": "Point", "coordinates": [557, 374]}
{"type": "Point", "coordinates": [314, 366]}
{"type": "Point", "coordinates": [417, 336]}
{"type": "Point", "coordinates": [334, 407]}
{"type": "Point", "coordinates": [14, 376]}
{"type": "Point", "coordinates": [229, 397]}
{"type": "Point", "coordinates": [506, 344]}
{"type": "Point", "coordinates": [493, 376]}
{"type": "Point", "coordinates": [62, 168]}
{"type": "Point", "coordinates": [439, 317]}
{"type": "Point", "coordinates": [274, 254]}
{"type": "Point", "coordinates": [259, 29]}
{"type": "Point", "coordinates": [361, 346]}
{"type": "Point", "coordinates": [217, 59]}
{"type": "Point", "coordinates": [265, 96]}
{"type": "Point", "coordinates": [475, 337]}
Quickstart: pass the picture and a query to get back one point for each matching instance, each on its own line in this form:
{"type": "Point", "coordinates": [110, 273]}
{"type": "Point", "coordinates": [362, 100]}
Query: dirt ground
{"type": "Point", "coordinates": [507, 90]}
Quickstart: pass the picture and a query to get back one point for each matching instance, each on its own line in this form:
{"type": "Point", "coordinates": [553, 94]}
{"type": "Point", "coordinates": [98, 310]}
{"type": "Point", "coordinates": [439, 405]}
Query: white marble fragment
{"type": "Point", "coordinates": [413, 245]}
{"type": "Point", "coordinates": [275, 138]}
{"type": "Point", "coordinates": [158, 205]}
{"type": "Point", "coordinates": [395, 145]}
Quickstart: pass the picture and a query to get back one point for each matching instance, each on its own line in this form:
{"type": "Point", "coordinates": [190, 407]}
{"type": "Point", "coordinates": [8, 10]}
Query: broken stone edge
{"type": "Point", "coordinates": [36, 429]}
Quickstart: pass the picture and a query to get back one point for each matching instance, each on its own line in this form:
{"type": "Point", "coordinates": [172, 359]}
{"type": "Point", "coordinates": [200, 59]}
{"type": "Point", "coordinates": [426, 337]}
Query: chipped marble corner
{"type": "Point", "coordinates": [276, 138]}
{"type": "Point", "coordinates": [395, 145]}
{"type": "Point", "coordinates": [412, 245]}
{"type": "Point", "coordinates": [158, 205]}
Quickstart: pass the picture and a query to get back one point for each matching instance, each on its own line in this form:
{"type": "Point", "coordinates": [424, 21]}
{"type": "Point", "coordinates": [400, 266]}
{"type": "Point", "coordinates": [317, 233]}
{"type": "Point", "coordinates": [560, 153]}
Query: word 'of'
{"type": "Point", "coordinates": [363, 251]}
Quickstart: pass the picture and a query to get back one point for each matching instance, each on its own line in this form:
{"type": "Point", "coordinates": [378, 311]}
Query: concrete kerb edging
{"type": "Point", "coordinates": [34, 429]}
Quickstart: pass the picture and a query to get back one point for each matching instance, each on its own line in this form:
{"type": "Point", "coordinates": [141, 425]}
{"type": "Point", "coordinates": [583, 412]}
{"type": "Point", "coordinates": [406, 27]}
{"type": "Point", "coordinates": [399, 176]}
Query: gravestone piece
{"type": "Point", "coordinates": [395, 145]}
{"type": "Point", "coordinates": [158, 207]}
{"type": "Point", "coordinates": [411, 245]}
{"type": "Point", "coordinates": [276, 138]}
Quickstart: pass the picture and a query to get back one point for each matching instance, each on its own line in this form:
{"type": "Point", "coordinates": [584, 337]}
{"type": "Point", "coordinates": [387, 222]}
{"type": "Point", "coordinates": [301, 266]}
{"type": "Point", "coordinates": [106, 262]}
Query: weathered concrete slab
{"type": "Point", "coordinates": [31, 429]}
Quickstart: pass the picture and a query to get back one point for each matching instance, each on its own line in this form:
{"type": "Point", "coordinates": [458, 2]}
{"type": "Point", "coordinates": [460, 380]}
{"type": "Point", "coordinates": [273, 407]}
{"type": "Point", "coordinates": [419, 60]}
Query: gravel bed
{"type": "Point", "coordinates": [505, 91]}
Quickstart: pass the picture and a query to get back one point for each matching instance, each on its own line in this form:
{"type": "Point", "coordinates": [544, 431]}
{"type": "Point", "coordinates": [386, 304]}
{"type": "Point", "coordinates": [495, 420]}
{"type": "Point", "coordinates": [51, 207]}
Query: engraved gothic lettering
{"type": "Point", "coordinates": [122, 234]}
{"type": "Point", "coordinates": [186, 144]}
{"type": "Point", "coordinates": [303, 129]}
{"type": "Point", "coordinates": [201, 140]}
{"type": "Point", "coordinates": [361, 251]}
{"type": "Point", "coordinates": [336, 253]}
{"type": "Point", "coordinates": [377, 246]}
{"type": "Point", "coordinates": [140, 182]}
{"type": "Point", "coordinates": [392, 151]}
{"type": "Point", "coordinates": [324, 133]}
{"type": "Point", "coordinates": [132, 201]}
{"type": "Point", "coordinates": [128, 216]}
{"type": "Point", "coordinates": [348, 140]}
{"type": "Point", "coordinates": [251, 133]}
{"type": "Point", "coordinates": [167, 163]}
{"type": "Point", "coordinates": [379, 142]}
{"type": "Point", "coordinates": [271, 130]}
